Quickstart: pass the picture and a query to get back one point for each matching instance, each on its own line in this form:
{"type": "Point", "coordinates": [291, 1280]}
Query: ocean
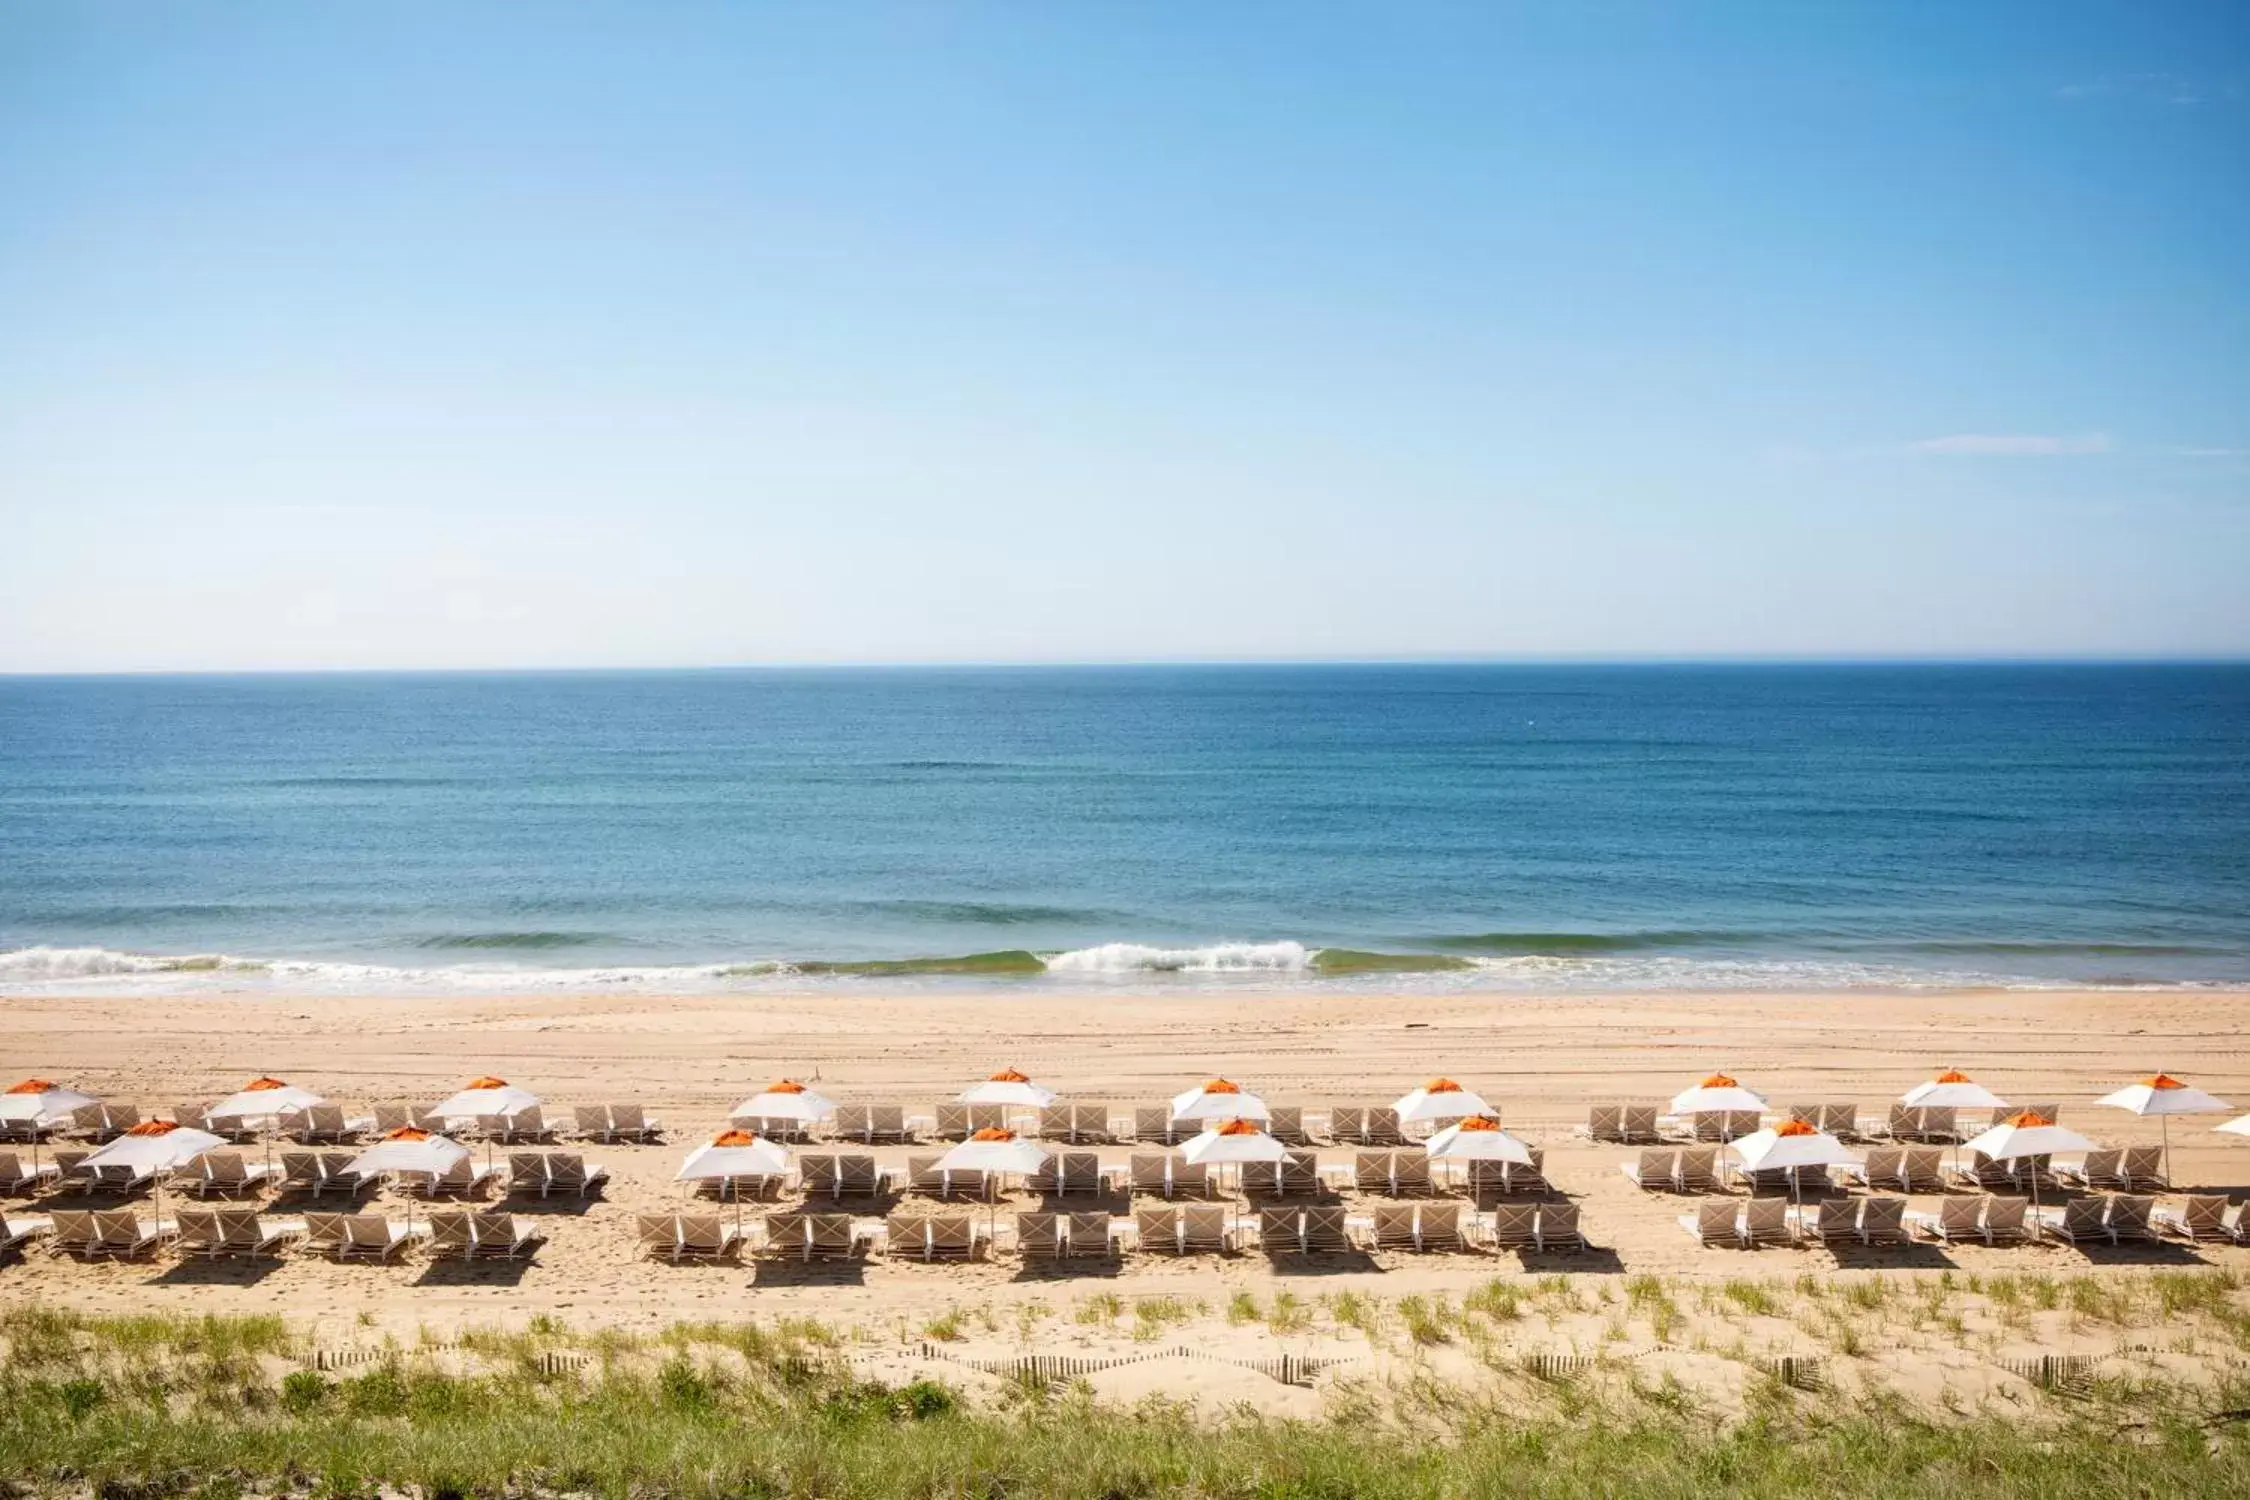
{"type": "Point", "coordinates": [1516, 828]}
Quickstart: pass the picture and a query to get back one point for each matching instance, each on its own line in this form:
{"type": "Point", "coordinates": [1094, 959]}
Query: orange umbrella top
{"type": "Point", "coordinates": [2165, 1081]}
{"type": "Point", "coordinates": [785, 1086]}
{"type": "Point", "coordinates": [1718, 1081]}
{"type": "Point", "coordinates": [1239, 1127]}
{"type": "Point", "coordinates": [154, 1127]}
{"type": "Point", "coordinates": [261, 1085]}
{"type": "Point", "coordinates": [734, 1138]}
{"type": "Point", "coordinates": [1221, 1086]}
{"type": "Point", "coordinates": [1010, 1075]}
{"type": "Point", "coordinates": [33, 1086]}
{"type": "Point", "coordinates": [1953, 1075]}
{"type": "Point", "coordinates": [1794, 1127]}
{"type": "Point", "coordinates": [2028, 1120]}
{"type": "Point", "coordinates": [488, 1082]}
{"type": "Point", "coordinates": [408, 1133]}
{"type": "Point", "coordinates": [1441, 1086]}
{"type": "Point", "coordinates": [993, 1133]}
{"type": "Point", "coordinates": [1478, 1122]}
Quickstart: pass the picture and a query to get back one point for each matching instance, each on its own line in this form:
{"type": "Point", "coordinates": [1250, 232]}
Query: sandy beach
{"type": "Point", "coordinates": [689, 1059]}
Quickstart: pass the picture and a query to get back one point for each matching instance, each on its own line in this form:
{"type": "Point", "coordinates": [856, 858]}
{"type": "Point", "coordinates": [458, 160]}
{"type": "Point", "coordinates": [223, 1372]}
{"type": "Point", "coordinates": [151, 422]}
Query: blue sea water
{"type": "Point", "coordinates": [1518, 827]}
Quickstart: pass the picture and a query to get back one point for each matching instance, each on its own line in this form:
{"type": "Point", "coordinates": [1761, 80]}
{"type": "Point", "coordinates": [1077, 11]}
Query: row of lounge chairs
{"type": "Point", "coordinates": [229, 1174]}
{"type": "Point", "coordinates": [216, 1233]}
{"type": "Point", "coordinates": [329, 1124]}
{"type": "Point", "coordinates": [1647, 1124]}
{"type": "Point", "coordinates": [1748, 1223]}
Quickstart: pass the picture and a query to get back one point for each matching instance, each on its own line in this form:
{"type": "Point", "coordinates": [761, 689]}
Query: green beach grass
{"type": "Point", "coordinates": [153, 1406]}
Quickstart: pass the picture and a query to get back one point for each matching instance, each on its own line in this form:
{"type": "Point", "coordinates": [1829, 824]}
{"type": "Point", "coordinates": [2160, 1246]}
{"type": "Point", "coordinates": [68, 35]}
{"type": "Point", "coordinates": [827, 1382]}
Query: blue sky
{"type": "Point", "coordinates": [431, 335]}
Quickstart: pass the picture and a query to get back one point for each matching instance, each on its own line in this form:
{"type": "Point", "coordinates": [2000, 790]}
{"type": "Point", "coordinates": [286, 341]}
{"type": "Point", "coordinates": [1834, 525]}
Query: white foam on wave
{"type": "Point", "coordinates": [1215, 958]}
{"type": "Point", "coordinates": [44, 964]}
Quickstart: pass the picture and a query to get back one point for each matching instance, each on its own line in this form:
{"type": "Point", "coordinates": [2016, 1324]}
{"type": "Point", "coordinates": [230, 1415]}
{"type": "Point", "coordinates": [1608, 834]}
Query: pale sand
{"type": "Point", "coordinates": [689, 1059]}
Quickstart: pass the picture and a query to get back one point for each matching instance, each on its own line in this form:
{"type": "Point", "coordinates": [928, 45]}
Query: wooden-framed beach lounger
{"type": "Point", "coordinates": [1957, 1218]}
{"type": "Point", "coordinates": [1286, 1124]}
{"type": "Point", "coordinates": [1559, 1228]}
{"type": "Point", "coordinates": [216, 1233]}
{"type": "Point", "coordinates": [73, 1233]}
{"type": "Point", "coordinates": [1882, 1221]}
{"type": "Point", "coordinates": [1654, 1171]}
{"type": "Point", "coordinates": [19, 1176]}
{"type": "Point", "coordinates": [2006, 1220]}
{"type": "Point", "coordinates": [123, 1233]}
{"type": "Point", "coordinates": [1515, 1225]}
{"type": "Point", "coordinates": [1924, 1170]}
{"type": "Point", "coordinates": [1716, 1221]}
{"type": "Point", "coordinates": [2131, 1217]}
{"type": "Point", "coordinates": [18, 1230]}
{"type": "Point", "coordinates": [811, 1236]}
{"type": "Point", "coordinates": [1604, 1122]}
{"type": "Point", "coordinates": [2144, 1169]}
{"type": "Point", "coordinates": [1765, 1221]}
{"type": "Point", "coordinates": [375, 1237]}
{"type": "Point", "coordinates": [1281, 1231]}
{"type": "Point", "coordinates": [2204, 1217]}
{"type": "Point", "coordinates": [2081, 1220]}
{"type": "Point", "coordinates": [224, 1172]}
{"type": "Point", "coordinates": [1836, 1221]}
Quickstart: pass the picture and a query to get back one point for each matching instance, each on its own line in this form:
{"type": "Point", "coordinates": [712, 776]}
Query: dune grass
{"type": "Point", "coordinates": [154, 1407]}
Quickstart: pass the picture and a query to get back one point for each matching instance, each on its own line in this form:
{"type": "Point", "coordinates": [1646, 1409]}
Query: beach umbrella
{"type": "Point", "coordinates": [1952, 1089]}
{"type": "Point", "coordinates": [485, 1096]}
{"type": "Point", "coordinates": [158, 1147]}
{"type": "Point", "coordinates": [1232, 1141]}
{"type": "Point", "coordinates": [2028, 1134]}
{"type": "Point", "coordinates": [1717, 1095]}
{"type": "Point", "coordinates": [733, 1153]}
{"type": "Point", "coordinates": [266, 1099]}
{"type": "Point", "coordinates": [1790, 1145]}
{"type": "Point", "coordinates": [1218, 1099]}
{"type": "Point", "coordinates": [994, 1151]}
{"type": "Point", "coordinates": [2163, 1096]}
{"type": "Point", "coordinates": [1439, 1099]}
{"type": "Point", "coordinates": [1008, 1087]}
{"type": "Point", "coordinates": [2239, 1125]}
{"type": "Point", "coordinates": [410, 1149]}
{"type": "Point", "coordinates": [785, 1099]}
{"type": "Point", "coordinates": [1478, 1138]}
{"type": "Point", "coordinates": [39, 1101]}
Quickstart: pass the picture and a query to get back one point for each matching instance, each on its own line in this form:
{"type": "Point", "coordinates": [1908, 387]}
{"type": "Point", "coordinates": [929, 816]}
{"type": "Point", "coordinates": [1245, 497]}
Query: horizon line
{"type": "Point", "coordinates": [1745, 659]}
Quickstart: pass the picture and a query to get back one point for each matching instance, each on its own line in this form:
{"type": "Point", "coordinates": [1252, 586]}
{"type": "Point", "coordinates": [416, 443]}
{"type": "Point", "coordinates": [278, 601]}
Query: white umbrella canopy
{"type": "Point", "coordinates": [1952, 1089]}
{"type": "Point", "coordinates": [1439, 1099]}
{"type": "Point", "coordinates": [2162, 1095]}
{"type": "Point", "coordinates": [263, 1099]}
{"type": "Point", "coordinates": [2239, 1125]}
{"type": "Point", "coordinates": [994, 1151]}
{"type": "Point", "coordinates": [37, 1101]}
{"type": "Point", "coordinates": [2027, 1134]}
{"type": "Point", "coordinates": [1716, 1095]}
{"type": "Point", "coordinates": [1218, 1099]}
{"type": "Point", "coordinates": [156, 1146]}
{"type": "Point", "coordinates": [1233, 1141]}
{"type": "Point", "coordinates": [733, 1153]}
{"type": "Point", "coordinates": [410, 1150]}
{"type": "Point", "coordinates": [785, 1099]}
{"type": "Point", "coordinates": [1791, 1144]}
{"type": "Point", "coordinates": [485, 1096]}
{"type": "Point", "coordinates": [1008, 1087]}
{"type": "Point", "coordinates": [1478, 1138]}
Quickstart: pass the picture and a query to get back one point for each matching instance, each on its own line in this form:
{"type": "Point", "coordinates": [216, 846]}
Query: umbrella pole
{"type": "Point", "coordinates": [2164, 1123]}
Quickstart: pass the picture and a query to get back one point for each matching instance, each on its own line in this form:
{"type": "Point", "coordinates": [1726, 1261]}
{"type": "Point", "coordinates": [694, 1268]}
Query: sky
{"type": "Point", "coordinates": [480, 335]}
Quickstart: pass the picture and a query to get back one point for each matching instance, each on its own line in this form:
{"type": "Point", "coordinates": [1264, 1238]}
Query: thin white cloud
{"type": "Point", "coordinates": [2013, 445]}
{"type": "Point", "coordinates": [2210, 452]}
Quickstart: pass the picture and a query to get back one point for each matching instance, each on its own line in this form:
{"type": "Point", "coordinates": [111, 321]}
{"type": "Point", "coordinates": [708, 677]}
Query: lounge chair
{"type": "Point", "coordinates": [1515, 1225]}
{"type": "Point", "coordinates": [1924, 1171]}
{"type": "Point", "coordinates": [1839, 1120]}
{"type": "Point", "coordinates": [921, 1236]}
{"type": "Point", "coordinates": [18, 1230]}
{"type": "Point", "coordinates": [1715, 1222]}
{"type": "Point", "coordinates": [1957, 1219]}
{"type": "Point", "coordinates": [1639, 1124]}
{"type": "Point", "coordinates": [2006, 1220]}
{"type": "Point", "coordinates": [193, 1116]}
{"type": "Point", "coordinates": [705, 1237]}
{"type": "Point", "coordinates": [123, 1233]}
{"type": "Point", "coordinates": [390, 1117]}
{"type": "Point", "coordinates": [1187, 1179]}
{"type": "Point", "coordinates": [1410, 1174]}
{"type": "Point", "coordinates": [2131, 1217]}
{"type": "Point", "coordinates": [1286, 1124]}
{"type": "Point", "coordinates": [1296, 1175]}
{"type": "Point", "coordinates": [1157, 1229]}
{"type": "Point", "coordinates": [1558, 1227]}
{"type": "Point", "coordinates": [103, 1122]}
{"type": "Point", "coordinates": [2144, 1169]}
{"type": "Point", "coordinates": [1281, 1231]}
{"type": "Point", "coordinates": [1326, 1230]}
{"type": "Point", "coordinates": [544, 1172]}
{"type": "Point", "coordinates": [300, 1172]}
{"type": "Point", "coordinates": [923, 1175]}
{"type": "Point", "coordinates": [1371, 1171]}
{"type": "Point", "coordinates": [1394, 1227]}
{"type": "Point", "coordinates": [1725, 1125]}
{"type": "Point", "coordinates": [1381, 1127]}
{"type": "Point", "coordinates": [2204, 1217]}
{"type": "Point", "coordinates": [1604, 1122]}
{"type": "Point", "coordinates": [73, 1233]}
{"type": "Point", "coordinates": [1088, 1236]}
{"type": "Point", "coordinates": [1654, 1171]}
{"type": "Point", "coordinates": [324, 1234]}
{"type": "Point", "coordinates": [1347, 1125]}
{"type": "Point", "coordinates": [18, 1176]}
{"type": "Point", "coordinates": [1979, 1170]}
{"type": "Point", "coordinates": [953, 1122]}
{"type": "Point", "coordinates": [1884, 1166]}
{"type": "Point", "coordinates": [327, 1125]}
{"type": "Point", "coordinates": [1803, 1114]}
{"type": "Point", "coordinates": [1437, 1227]}
{"type": "Point", "coordinates": [495, 1235]}
{"type": "Point", "coordinates": [2082, 1219]}
{"type": "Point", "coordinates": [634, 1124]}
{"type": "Point", "coordinates": [466, 1178]}
{"type": "Point", "coordinates": [374, 1237]}
{"type": "Point", "coordinates": [1765, 1221]}
{"type": "Point", "coordinates": [337, 1175]}
{"type": "Point", "coordinates": [1836, 1222]}
{"type": "Point", "coordinates": [2097, 1169]}
{"type": "Point", "coordinates": [811, 1236]}
{"type": "Point", "coordinates": [1190, 1229]}
{"type": "Point", "coordinates": [1067, 1172]}
{"type": "Point", "coordinates": [213, 1233]}
{"type": "Point", "coordinates": [1882, 1221]}
{"type": "Point", "coordinates": [1799, 1182]}
{"type": "Point", "coordinates": [1698, 1171]}
{"type": "Point", "coordinates": [225, 1172]}
{"type": "Point", "coordinates": [853, 1122]}
{"type": "Point", "coordinates": [451, 1234]}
